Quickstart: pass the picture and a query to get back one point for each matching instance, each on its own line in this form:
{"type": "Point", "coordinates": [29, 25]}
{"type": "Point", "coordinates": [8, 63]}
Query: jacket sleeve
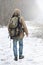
{"type": "Point", "coordinates": [9, 26]}
{"type": "Point", "coordinates": [24, 25]}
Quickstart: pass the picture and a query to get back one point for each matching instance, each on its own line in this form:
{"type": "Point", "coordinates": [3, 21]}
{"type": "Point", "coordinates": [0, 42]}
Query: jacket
{"type": "Point", "coordinates": [25, 29]}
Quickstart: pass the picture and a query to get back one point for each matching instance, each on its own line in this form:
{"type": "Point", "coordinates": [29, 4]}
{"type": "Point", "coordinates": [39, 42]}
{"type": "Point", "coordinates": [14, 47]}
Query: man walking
{"type": "Point", "coordinates": [18, 35]}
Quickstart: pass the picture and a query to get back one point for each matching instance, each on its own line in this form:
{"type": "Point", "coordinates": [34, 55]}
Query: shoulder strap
{"type": "Point", "coordinates": [19, 24]}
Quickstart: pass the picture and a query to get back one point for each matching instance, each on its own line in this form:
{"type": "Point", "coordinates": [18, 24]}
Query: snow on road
{"type": "Point", "coordinates": [33, 50]}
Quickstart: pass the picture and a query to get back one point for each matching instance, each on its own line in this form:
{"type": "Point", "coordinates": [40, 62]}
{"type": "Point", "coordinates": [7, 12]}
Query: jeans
{"type": "Point", "coordinates": [20, 47]}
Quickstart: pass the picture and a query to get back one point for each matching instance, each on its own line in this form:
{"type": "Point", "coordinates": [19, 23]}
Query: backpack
{"type": "Point", "coordinates": [15, 27]}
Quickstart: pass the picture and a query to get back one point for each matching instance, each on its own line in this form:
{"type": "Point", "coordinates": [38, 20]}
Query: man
{"type": "Point", "coordinates": [19, 38]}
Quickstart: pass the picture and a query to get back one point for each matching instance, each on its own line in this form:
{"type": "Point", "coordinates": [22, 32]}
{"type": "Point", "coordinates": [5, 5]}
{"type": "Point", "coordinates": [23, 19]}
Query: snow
{"type": "Point", "coordinates": [33, 49]}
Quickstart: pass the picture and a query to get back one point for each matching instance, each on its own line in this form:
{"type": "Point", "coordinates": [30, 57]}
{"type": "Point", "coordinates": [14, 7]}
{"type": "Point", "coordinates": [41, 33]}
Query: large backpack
{"type": "Point", "coordinates": [15, 27]}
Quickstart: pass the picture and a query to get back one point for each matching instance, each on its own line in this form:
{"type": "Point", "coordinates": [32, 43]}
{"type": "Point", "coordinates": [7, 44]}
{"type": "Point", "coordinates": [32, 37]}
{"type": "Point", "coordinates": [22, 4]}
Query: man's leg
{"type": "Point", "coordinates": [15, 48]}
{"type": "Point", "coordinates": [21, 49]}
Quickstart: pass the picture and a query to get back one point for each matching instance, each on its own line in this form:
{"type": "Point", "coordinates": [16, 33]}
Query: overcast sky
{"type": "Point", "coordinates": [32, 10]}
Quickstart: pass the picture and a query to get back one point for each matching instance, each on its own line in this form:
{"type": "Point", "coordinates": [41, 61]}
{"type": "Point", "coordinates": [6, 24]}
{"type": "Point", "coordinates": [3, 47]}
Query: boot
{"type": "Point", "coordinates": [21, 57]}
{"type": "Point", "coordinates": [15, 59]}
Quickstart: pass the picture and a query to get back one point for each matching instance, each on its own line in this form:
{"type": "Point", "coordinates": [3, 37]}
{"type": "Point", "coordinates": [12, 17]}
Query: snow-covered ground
{"type": "Point", "coordinates": [33, 49]}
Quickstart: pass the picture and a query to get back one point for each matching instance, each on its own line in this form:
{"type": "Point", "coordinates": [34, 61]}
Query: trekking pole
{"type": "Point", "coordinates": [10, 41]}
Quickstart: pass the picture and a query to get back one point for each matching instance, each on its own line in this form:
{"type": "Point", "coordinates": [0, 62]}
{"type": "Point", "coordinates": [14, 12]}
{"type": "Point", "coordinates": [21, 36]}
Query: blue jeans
{"type": "Point", "coordinates": [20, 47]}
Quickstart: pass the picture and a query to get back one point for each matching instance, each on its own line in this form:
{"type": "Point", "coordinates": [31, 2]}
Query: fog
{"type": "Point", "coordinates": [32, 10]}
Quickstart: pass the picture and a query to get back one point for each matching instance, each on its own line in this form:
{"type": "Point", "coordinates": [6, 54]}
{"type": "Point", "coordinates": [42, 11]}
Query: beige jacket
{"type": "Point", "coordinates": [24, 26]}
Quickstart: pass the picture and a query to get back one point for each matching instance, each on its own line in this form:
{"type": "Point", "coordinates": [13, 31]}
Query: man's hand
{"type": "Point", "coordinates": [27, 34]}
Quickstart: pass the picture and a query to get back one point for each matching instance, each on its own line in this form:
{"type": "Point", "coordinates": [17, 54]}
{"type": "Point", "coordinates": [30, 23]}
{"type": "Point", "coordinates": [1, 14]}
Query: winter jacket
{"type": "Point", "coordinates": [24, 26]}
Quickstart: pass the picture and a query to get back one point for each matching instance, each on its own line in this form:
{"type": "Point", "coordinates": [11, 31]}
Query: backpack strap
{"type": "Point", "coordinates": [19, 23]}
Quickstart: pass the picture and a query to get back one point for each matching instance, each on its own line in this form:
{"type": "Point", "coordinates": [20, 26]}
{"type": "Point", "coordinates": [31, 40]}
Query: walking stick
{"type": "Point", "coordinates": [10, 41]}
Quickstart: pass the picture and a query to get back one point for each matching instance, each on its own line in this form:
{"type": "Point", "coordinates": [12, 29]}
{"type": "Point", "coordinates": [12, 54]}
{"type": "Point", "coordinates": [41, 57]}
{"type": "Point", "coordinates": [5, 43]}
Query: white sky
{"type": "Point", "coordinates": [39, 18]}
{"type": "Point", "coordinates": [40, 4]}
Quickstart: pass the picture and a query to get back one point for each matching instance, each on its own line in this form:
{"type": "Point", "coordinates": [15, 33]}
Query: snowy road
{"type": "Point", "coordinates": [33, 50]}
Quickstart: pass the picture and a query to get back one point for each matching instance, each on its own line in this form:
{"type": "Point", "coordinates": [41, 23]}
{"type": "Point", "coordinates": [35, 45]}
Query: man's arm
{"type": "Point", "coordinates": [24, 25]}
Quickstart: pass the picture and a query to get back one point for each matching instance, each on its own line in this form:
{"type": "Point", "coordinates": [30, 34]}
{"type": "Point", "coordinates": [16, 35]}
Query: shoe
{"type": "Point", "coordinates": [15, 59]}
{"type": "Point", "coordinates": [21, 57]}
